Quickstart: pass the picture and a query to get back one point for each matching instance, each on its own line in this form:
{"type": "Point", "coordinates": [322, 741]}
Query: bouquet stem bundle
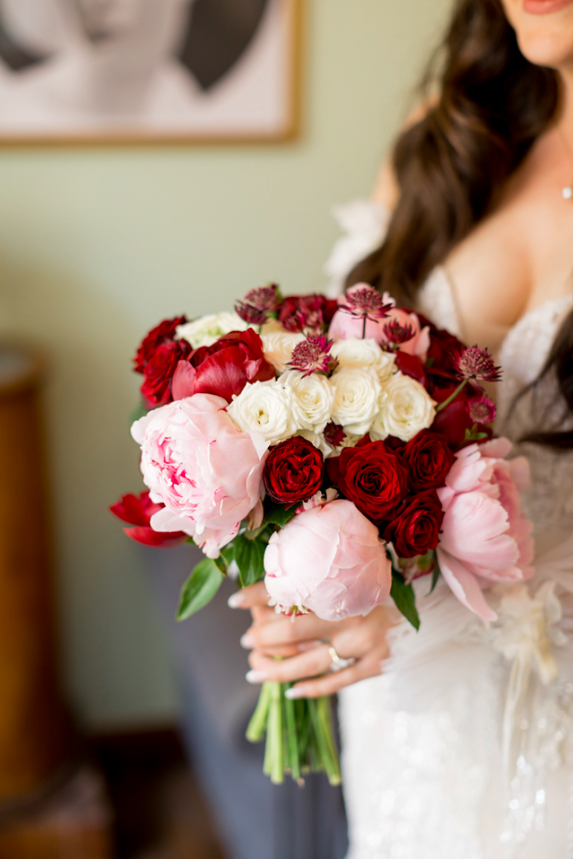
{"type": "Point", "coordinates": [299, 735]}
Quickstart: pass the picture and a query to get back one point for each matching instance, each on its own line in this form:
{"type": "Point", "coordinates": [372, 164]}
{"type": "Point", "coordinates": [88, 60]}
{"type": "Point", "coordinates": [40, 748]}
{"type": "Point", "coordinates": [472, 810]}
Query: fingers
{"type": "Point", "coordinates": [254, 595]}
{"type": "Point", "coordinates": [329, 684]}
{"type": "Point", "coordinates": [314, 661]}
{"type": "Point", "coordinates": [285, 630]}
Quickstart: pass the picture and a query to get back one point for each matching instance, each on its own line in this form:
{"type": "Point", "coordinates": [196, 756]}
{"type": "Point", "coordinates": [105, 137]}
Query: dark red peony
{"type": "Point", "coordinates": [293, 471]}
{"type": "Point", "coordinates": [162, 333]}
{"type": "Point", "coordinates": [417, 529]}
{"type": "Point", "coordinates": [443, 348]}
{"type": "Point", "coordinates": [373, 477]}
{"type": "Point", "coordinates": [429, 459]}
{"type": "Point", "coordinates": [224, 368]}
{"type": "Point", "coordinates": [310, 313]}
{"type": "Point", "coordinates": [159, 372]}
{"type": "Point", "coordinates": [453, 421]}
{"type": "Point", "coordinates": [137, 510]}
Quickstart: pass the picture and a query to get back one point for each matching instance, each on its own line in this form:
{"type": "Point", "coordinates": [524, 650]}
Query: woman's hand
{"type": "Point", "coordinates": [303, 644]}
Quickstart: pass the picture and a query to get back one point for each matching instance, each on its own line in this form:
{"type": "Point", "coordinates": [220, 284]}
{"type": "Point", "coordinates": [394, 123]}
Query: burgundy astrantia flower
{"type": "Point", "coordinates": [313, 355]}
{"type": "Point", "coordinates": [258, 304]}
{"type": "Point", "coordinates": [396, 334]}
{"type": "Point", "coordinates": [476, 363]}
{"type": "Point", "coordinates": [481, 410]}
{"type": "Point", "coordinates": [365, 302]}
{"type": "Point", "coordinates": [334, 434]}
{"type": "Point", "coordinates": [309, 313]}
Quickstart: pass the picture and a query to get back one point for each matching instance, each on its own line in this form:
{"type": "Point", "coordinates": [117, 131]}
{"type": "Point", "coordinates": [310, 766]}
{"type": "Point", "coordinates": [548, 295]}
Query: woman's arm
{"type": "Point", "coordinates": [303, 645]}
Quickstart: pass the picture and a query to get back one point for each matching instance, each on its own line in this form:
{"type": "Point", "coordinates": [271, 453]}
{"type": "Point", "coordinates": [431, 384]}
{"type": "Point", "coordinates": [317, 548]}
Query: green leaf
{"type": "Point", "coordinates": [249, 556]}
{"type": "Point", "coordinates": [436, 573]}
{"type": "Point", "coordinates": [405, 599]}
{"type": "Point", "coordinates": [139, 412]}
{"type": "Point", "coordinates": [200, 588]}
{"type": "Point", "coordinates": [276, 514]}
{"type": "Point", "coordinates": [228, 552]}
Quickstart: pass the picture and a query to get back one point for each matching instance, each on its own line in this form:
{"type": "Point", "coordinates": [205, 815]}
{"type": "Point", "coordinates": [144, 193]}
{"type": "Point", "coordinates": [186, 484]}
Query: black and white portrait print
{"type": "Point", "coordinates": [171, 68]}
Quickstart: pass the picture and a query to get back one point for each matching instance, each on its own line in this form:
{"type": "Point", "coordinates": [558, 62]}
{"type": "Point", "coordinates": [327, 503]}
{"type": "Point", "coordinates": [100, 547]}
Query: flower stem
{"type": "Point", "coordinates": [452, 397]}
{"type": "Point", "coordinates": [258, 724]}
{"type": "Point", "coordinates": [290, 720]}
{"type": "Point", "coordinates": [275, 734]}
{"type": "Point", "coordinates": [364, 320]}
{"type": "Point", "coordinates": [322, 723]}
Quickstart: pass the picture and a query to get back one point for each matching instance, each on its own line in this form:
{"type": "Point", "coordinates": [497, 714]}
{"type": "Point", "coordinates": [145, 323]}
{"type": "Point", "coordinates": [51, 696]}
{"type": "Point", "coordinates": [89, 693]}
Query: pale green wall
{"type": "Point", "coordinates": [98, 245]}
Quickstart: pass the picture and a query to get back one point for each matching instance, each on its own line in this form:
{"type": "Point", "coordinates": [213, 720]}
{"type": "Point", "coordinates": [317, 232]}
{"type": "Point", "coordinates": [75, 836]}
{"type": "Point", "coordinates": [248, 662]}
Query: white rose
{"type": "Point", "coordinates": [319, 441]}
{"type": "Point", "coordinates": [312, 399]}
{"type": "Point", "coordinates": [278, 347]}
{"type": "Point", "coordinates": [356, 394]}
{"type": "Point", "coordinates": [265, 408]}
{"type": "Point", "coordinates": [364, 353]}
{"type": "Point", "coordinates": [206, 330]}
{"type": "Point", "coordinates": [405, 408]}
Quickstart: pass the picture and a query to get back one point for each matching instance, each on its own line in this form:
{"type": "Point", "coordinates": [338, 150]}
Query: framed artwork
{"type": "Point", "coordinates": [149, 71]}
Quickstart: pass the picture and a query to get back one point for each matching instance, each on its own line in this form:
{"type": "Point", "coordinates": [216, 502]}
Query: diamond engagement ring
{"type": "Point", "coordinates": [338, 663]}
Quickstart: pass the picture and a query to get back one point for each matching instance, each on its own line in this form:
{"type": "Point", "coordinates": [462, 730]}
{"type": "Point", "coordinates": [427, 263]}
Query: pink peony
{"type": "Point", "coordinates": [328, 559]}
{"type": "Point", "coordinates": [485, 536]}
{"type": "Point", "coordinates": [202, 467]}
{"type": "Point", "coordinates": [397, 329]}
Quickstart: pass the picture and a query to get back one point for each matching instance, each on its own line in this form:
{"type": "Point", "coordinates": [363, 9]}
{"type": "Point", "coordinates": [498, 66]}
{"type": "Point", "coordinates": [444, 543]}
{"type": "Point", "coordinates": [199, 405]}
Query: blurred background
{"type": "Point", "coordinates": [98, 243]}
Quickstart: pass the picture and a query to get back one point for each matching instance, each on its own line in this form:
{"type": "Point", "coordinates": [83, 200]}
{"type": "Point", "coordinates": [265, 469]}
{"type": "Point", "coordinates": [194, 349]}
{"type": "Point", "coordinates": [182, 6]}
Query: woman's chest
{"type": "Point", "coordinates": [514, 261]}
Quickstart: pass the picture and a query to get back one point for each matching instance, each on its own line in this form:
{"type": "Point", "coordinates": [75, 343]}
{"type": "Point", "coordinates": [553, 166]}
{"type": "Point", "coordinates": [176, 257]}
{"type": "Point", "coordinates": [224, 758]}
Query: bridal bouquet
{"type": "Point", "coordinates": [337, 450]}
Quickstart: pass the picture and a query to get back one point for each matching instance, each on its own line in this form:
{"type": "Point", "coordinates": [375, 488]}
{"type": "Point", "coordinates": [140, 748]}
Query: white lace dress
{"type": "Point", "coordinates": [459, 750]}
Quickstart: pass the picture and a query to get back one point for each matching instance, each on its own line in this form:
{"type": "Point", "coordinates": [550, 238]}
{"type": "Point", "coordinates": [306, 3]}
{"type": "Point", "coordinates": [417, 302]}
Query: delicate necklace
{"type": "Point", "coordinates": [567, 192]}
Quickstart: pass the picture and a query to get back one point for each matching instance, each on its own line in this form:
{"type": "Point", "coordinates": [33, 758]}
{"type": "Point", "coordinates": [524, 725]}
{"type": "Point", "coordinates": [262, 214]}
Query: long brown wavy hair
{"type": "Point", "coordinates": [451, 166]}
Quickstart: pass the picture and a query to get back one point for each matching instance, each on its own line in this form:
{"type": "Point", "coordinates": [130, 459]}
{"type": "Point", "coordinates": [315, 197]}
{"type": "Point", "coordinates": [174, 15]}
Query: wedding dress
{"type": "Point", "coordinates": [463, 748]}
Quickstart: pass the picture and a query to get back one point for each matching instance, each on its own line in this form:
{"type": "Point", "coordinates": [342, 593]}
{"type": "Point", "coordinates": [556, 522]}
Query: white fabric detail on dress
{"type": "Point", "coordinates": [423, 743]}
{"type": "Point", "coordinates": [364, 224]}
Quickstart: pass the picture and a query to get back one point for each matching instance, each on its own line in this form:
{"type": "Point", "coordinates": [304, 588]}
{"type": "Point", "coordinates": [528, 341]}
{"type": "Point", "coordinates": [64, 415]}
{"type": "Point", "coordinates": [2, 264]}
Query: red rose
{"type": "Point", "coordinates": [224, 368]}
{"type": "Point", "coordinates": [159, 372]}
{"type": "Point", "coordinates": [429, 459]}
{"type": "Point", "coordinates": [307, 312]}
{"type": "Point", "coordinates": [293, 471]}
{"type": "Point", "coordinates": [417, 529]}
{"type": "Point", "coordinates": [443, 346]}
{"type": "Point", "coordinates": [410, 365]}
{"type": "Point", "coordinates": [137, 510]}
{"type": "Point", "coordinates": [163, 333]}
{"type": "Point", "coordinates": [373, 477]}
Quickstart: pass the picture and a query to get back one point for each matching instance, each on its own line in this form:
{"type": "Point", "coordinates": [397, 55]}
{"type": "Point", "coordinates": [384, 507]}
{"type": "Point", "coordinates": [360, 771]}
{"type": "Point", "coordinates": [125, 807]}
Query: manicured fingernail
{"type": "Point", "coordinates": [256, 676]}
{"type": "Point", "coordinates": [247, 641]}
{"type": "Point", "coordinates": [309, 645]}
{"type": "Point", "coordinates": [236, 600]}
{"type": "Point", "coordinates": [294, 693]}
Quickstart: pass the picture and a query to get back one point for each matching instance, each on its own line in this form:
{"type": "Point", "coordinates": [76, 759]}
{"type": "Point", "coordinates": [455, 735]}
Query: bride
{"type": "Point", "coordinates": [458, 741]}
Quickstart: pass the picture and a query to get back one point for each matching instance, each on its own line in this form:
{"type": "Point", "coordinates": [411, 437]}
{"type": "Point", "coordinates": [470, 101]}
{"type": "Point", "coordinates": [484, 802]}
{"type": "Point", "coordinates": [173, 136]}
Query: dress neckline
{"type": "Point", "coordinates": [557, 302]}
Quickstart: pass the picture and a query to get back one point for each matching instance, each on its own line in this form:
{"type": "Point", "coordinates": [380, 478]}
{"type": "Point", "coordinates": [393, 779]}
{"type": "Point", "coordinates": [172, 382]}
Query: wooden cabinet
{"type": "Point", "coordinates": [33, 726]}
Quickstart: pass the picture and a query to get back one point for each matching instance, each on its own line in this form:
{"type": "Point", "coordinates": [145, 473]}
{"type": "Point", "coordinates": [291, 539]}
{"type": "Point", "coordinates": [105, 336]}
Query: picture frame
{"type": "Point", "coordinates": [151, 72]}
